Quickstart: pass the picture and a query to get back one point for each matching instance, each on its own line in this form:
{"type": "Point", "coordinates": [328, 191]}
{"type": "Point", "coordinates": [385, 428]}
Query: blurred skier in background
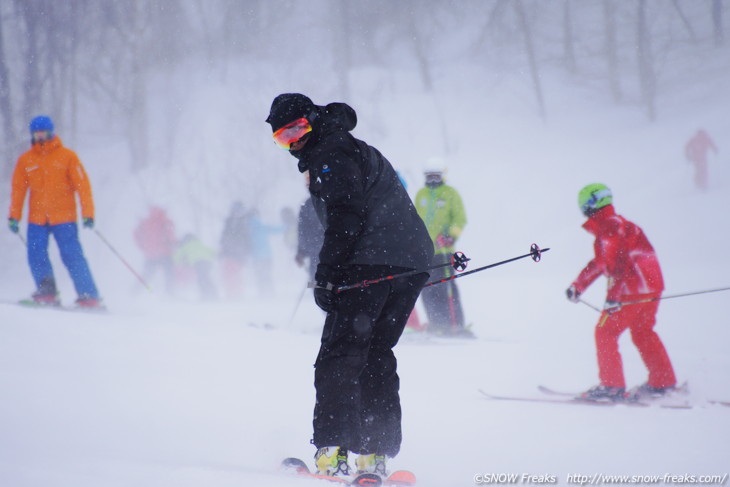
{"type": "Point", "coordinates": [310, 235]}
{"type": "Point", "coordinates": [54, 176]}
{"type": "Point", "coordinates": [413, 323]}
{"type": "Point", "coordinates": [155, 236]}
{"type": "Point", "coordinates": [289, 228]}
{"type": "Point", "coordinates": [234, 246]}
{"type": "Point", "coordinates": [442, 210]}
{"type": "Point", "coordinates": [696, 152]}
{"type": "Point", "coordinates": [371, 230]}
{"type": "Point", "coordinates": [624, 255]}
{"type": "Point", "coordinates": [193, 255]}
{"type": "Point", "coordinates": [260, 251]}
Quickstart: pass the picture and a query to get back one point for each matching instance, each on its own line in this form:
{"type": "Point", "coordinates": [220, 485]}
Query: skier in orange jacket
{"type": "Point", "coordinates": [54, 175]}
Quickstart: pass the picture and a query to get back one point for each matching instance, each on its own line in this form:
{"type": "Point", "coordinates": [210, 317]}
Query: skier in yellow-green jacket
{"type": "Point", "coordinates": [441, 208]}
{"type": "Point", "coordinates": [193, 255]}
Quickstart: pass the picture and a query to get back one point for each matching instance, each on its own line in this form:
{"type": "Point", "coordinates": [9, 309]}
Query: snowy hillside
{"type": "Point", "coordinates": [175, 392]}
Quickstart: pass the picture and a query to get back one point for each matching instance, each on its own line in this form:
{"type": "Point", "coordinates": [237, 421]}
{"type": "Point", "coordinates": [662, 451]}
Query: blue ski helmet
{"type": "Point", "coordinates": [41, 122]}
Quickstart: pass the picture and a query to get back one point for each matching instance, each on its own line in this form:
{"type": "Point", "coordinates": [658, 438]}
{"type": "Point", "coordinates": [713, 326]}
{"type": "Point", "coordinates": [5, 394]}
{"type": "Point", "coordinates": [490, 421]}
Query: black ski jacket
{"type": "Point", "coordinates": [368, 217]}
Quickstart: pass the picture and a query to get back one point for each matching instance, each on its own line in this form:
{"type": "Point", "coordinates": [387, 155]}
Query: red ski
{"type": "Point", "coordinates": [399, 478]}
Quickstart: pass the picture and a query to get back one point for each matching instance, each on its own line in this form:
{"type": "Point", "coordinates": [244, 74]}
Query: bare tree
{"type": "Point", "coordinates": [685, 20]}
{"type": "Point", "coordinates": [32, 80]}
{"type": "Point", "coordinates": [718, 33]}
{"type": "Point", "coordinates": [647, 76]}
{"type": "Point", "coordinates": [531, 57]}
{"type": "Point", "coordinates": [568, 40]}
{"type": "Point", "coordinates": [420, 50]}
{"type": "Point", "coordinates": [6, 109]}
{"type": "Point", "coordinates": [342, 13]}
{"type": "Point", "coordinates": [611, 50]}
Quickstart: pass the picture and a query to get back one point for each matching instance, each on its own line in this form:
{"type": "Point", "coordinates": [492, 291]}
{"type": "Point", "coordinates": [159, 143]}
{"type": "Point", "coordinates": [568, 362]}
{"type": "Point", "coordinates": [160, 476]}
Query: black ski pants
{"type": "Point", "coordinates": [442, 301]}
{"type": "Point", "coordinates": [358, 405]}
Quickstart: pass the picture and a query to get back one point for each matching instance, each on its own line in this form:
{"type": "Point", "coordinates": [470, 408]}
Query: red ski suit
{"type": "Point", "coordinates": [624, 255]}
{"type": "Point", "coordinates": [155, 235]}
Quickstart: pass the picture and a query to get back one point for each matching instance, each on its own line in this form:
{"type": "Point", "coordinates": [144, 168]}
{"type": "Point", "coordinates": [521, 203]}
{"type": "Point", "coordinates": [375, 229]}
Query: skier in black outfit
{"type": "Point", "coordinates": [371, 229]}
{"type": "Point", "coordinates": [310, 236]}
{"type": "Point", "coordinates": [234, 248]}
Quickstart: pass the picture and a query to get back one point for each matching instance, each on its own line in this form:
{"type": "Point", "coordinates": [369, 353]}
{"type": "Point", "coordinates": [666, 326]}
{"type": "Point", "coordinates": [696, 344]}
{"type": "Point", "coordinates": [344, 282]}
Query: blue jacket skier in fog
{"type": "Point", "coordinates": [371, 229]}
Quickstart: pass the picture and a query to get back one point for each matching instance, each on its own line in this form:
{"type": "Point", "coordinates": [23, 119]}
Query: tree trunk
{"type": "Point", "coordinates": [32, 76]}
{"type": "Point", "coordinates": [6, 111]}
{"type": "Point", "coordinates": [685, 21]}
{"type": "Point", "coordinates": [568, 41]}
{"type": "Point", "coordinates": [423, 65]}
{"type": "Point", "coordinates": [342, 53]}
{"type": "Point", "coordinates": [647, 77]}
{"type": "Point", "coordinates": [614, 78]}
{"type": "Point", "coordinates": [717, 22]}
{"type": "Point", "coordinates": [531, 58]}
{"type": "Point", "coordinates": [138, 127]}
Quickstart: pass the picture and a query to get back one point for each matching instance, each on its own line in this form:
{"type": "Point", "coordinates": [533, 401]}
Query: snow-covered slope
{"type": "Point", "coordinates": [163, 393]}
{"type": "Point", "coordinates": [189, 394]}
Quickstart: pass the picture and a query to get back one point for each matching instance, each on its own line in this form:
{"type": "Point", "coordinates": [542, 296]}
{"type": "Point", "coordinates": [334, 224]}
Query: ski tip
{"type": "Point", "coordinates": [367, 480]}
{"type": "Point", "coordinates": [401, 478]}
{"type": "Point", "coordinates": [294, 465]}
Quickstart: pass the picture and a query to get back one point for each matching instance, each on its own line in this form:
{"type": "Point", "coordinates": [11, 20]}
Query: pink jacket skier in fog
{"type": "Point", "coordinates": [696, 152]}
{"type": "Point", "coordinates": [624, 255]}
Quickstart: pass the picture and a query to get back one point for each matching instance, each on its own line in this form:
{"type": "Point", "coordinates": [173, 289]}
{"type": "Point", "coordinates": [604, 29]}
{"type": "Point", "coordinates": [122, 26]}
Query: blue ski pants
{"type": "Point", "coordinates": [72, 256]}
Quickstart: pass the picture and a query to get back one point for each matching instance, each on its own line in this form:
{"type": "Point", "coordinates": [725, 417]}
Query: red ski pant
{"type": "Point", "coordinates": [701, 173]}
{"type": "Point", "coordinates": [640, 319]}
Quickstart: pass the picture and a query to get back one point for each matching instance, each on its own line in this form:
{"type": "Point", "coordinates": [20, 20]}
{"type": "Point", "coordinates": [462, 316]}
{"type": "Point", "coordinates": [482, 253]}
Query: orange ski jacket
{"type": "Point", "coordinates": [54, 175]}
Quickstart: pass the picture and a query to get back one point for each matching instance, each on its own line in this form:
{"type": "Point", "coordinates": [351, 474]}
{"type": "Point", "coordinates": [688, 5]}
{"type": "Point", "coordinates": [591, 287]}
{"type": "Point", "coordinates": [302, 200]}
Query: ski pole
{"type": "Point", "coordinates": [590, 305]}
{"type": "Point", "coordinates": [458, 261]}
{"type": "Point", "coordinates": [649, 300]}
{"type": "Point", "coordinates": [296, 306]}
{"type": "Point", "coordinates": [22, 238]}
{"type": "Point", "coordinates": [535, 253]}
{"type": "Point", "coordinates": [122, 259]}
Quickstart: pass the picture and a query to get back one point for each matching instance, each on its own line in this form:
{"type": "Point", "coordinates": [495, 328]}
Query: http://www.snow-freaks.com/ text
{"type": "Point", "coordinates": [598, 479]}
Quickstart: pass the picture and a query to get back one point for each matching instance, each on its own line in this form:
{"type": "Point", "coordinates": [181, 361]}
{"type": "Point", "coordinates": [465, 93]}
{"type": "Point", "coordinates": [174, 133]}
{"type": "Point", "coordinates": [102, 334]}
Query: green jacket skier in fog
{"type": "Point", "coordinates": [441, 208]}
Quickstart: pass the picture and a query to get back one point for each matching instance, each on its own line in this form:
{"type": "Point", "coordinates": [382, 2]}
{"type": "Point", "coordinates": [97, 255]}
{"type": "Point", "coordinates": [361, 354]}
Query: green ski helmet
{"type": "Point", "coordinates": [594, 197]}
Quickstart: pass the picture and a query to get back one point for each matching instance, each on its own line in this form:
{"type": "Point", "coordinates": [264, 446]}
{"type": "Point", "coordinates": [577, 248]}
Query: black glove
{"type": "Point", "coordinates": [324, 291]}
{"type": "Point", "coordinates": [572, 294]}
{"type": "Point", "coordinates": [13, 225]}
{"type": "Point", "coordinates": [88, 223]}
{"type": "Point", "coordinates": [611, 306]}
{"type": "Point", "coordinates": [325, 296]}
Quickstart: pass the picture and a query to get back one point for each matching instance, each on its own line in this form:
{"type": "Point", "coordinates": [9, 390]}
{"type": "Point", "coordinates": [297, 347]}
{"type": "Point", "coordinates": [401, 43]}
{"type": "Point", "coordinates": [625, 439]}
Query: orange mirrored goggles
{"type": "Point", "coordinates": [291, 132]}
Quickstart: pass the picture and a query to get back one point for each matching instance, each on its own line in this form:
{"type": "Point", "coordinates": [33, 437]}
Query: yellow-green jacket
{"type": "Point", "coordinates": [443, 213]}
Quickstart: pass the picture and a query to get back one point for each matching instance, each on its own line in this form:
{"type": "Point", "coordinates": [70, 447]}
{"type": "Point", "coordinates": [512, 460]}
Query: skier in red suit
{"type": "Point", "coordinates": [155, 236]}
{"type": "Point", "coordinates": [624, 255]}
{"type": "Point", "coordinates": [696, 152]}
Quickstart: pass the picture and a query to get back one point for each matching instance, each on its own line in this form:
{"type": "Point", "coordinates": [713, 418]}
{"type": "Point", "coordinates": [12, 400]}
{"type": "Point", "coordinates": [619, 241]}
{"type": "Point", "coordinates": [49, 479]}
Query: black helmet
{"type": "Point", "coordinates": [288, 107]}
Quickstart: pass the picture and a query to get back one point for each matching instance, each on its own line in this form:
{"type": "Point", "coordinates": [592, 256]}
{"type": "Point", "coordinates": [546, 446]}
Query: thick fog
{"type": "Point", "coordinates": [522, 102]}
{"type": "Point", "coordinates": [165, 101]}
